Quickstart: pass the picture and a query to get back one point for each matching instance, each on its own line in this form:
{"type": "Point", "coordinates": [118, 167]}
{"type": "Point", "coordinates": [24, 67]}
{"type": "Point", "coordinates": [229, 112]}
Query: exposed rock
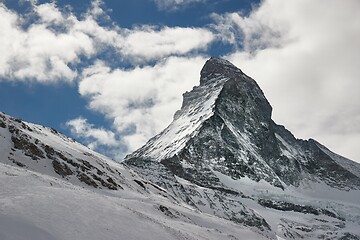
{"type": "Point", "coordinates": [87, 180]}
{"type": "Point", "coordinates": [61, 168]}
{"type": "Point", "coordinates": [30, 149]}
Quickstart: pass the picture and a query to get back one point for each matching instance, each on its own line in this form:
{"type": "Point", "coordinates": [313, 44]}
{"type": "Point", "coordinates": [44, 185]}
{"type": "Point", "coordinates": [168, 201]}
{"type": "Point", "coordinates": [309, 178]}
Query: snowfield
{"type": "Point", "coordinates": [37, 202]}
{"type": "Point", "coordinates": [36, 206]}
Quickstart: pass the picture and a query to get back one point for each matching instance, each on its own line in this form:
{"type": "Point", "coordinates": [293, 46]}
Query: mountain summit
{"type": "Point", "coordinates": [215, 66]}
{"type": "Point", "coordinates": [222, 144]}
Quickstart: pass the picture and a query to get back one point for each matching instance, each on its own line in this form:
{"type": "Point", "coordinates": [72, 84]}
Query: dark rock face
{"type": "Point", "coordinates": [61, 169]}
{"type": "Point", "coordinates": [328, 170]}
{"type": "Point", "coordinates": [216, 66]}
{"type": "Point", "coordinates": [286, 206]}
{"type": "Point", "coordinates": [224, 128]}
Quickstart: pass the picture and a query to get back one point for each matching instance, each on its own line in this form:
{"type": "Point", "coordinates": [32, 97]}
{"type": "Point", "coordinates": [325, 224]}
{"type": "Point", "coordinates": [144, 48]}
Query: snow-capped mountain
{"type": "Point", "coordinates": [221, 170]}
{"type": "Point", "coordinates": [53, 188]}
{"type": "Point", "coordinates": [224, 155]}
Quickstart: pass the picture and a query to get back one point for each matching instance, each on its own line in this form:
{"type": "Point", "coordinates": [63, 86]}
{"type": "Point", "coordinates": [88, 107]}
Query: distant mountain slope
{"type": "Point", "coordinates": [224, 155]}
{"type": "Point", "coordinates": [53, 188]}
{"type": "Point", "coordinates": [46, 151]}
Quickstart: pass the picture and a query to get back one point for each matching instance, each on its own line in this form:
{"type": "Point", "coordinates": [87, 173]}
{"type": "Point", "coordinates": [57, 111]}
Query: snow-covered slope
{"type": "Point", "coordinates": [53, 188]}
{"type": "Point", "coordinates": [186, 123]}
{"type": "Point", "coordinates": [46, 151]}
{"type": "Point", "coordinates": [224, 155]}
{"type": "Point", "coordinates": [36, 206]}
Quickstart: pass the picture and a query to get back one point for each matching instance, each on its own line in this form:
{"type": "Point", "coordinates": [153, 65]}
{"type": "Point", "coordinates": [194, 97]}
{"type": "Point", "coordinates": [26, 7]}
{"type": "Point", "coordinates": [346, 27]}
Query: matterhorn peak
{"type": "Point", "coordinates": [225, 125]}
{"type": "Point", "coordinates": [223, 151]}
{"type": "Point", "coordinates": [218, 66]}
{"type": "Point", "coordinates": [225, 92]}
{"type": "Point", "coordinates": [198, 106]}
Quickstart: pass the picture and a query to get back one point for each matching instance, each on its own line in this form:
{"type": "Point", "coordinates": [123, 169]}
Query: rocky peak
{"type": "Point", "coordinates": [237, 87]}
{"type": "Point", "coordinates": [215, 67]}
{"type": "Point", "coordinates": [200, 104]}
{"type": "Point", "coordinates": [242, 95]}
{"type": "Point", "coordinates": [225, 125]}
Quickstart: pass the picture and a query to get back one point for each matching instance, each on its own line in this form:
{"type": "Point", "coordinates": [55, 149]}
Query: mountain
{"type": "Point", "coordinates": [53, 188]}
{"type": "Point", "coordinates": [225, 156]}
{"type": "Point", "coordinates": [223, 169]}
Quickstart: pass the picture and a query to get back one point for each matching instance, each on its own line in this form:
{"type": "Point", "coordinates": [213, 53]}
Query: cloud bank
{"type": "Point", "coordinates": [55, 41]}
{"type": "Point", "coordinates": [38, 52]}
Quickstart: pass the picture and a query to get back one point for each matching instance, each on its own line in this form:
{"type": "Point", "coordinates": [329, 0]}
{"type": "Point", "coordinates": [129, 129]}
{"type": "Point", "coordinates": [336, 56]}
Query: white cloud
{"type": "Point", "coordinates": [175, 4]}
{"type": "Point", "coordinates": [96, 9]}
{"type": "Point", "coordinates": [140, 101]}
{"type": "Point", "coordinates": [39, 52]}
{"type": "Point", "coordinates": [147, 43]}
{"type": "Point", "coordinates": [49, 49]}
{"type": "Point", "coordinates": [95, 136]}
{"type": "Point", "coordinates": [254, 32]}
{"type": "Point", "coordinates": [49, 13]}
{"type": "Point", "coordinates": [308, 68]}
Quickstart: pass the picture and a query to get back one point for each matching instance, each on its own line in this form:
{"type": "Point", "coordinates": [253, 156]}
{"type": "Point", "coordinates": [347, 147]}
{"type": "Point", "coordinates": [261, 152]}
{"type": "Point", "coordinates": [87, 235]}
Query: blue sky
{"type": "Point", "coordinates": [111, 73]}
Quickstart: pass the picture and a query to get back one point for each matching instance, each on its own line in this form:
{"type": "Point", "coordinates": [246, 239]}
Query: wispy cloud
{"type": "Point", "coordinates": [250, 33]}
{"type": "Point", "coordinates": [98, 139]}
{"type": "Point", "coordinates": [172, 5]}
{"type": "Point", "coordinates": [148, 43]}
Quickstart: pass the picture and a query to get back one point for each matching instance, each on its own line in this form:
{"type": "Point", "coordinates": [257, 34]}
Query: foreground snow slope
{"type": "Point", "coordinates": [52, 187]}
{"type": "Point", "coordinates": [37, 206]}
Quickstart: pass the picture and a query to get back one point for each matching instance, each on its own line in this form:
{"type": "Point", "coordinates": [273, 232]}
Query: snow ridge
{"type": "Point", "coordinates": [186, 122]}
